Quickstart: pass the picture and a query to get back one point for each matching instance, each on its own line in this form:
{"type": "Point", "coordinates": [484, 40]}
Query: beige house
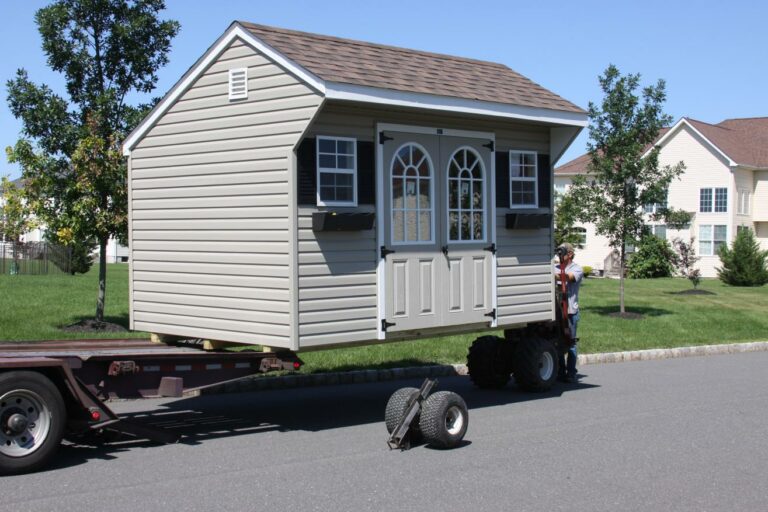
{"type": "Point", "coordinates": [725, 186]}
{"type": "Point", "coordinates": [298, 190]}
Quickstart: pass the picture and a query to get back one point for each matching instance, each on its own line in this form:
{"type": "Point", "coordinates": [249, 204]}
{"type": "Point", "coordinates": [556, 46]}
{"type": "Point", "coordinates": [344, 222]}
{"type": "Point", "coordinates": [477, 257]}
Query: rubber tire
{"type": "Point", "coordinates": [528, 355]}
{"type": "Point", "coordinates": [50, 394]}
{"type": "Point", "coordinates": [433, 420]}
{"type": "Point", "coordinates": [397, 406]}
{"type": "Point", "coordinates": [487, 365]}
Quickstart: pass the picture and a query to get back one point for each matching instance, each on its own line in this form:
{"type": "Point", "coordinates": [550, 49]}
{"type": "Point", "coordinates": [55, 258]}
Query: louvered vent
{"type": "Point", "coordinates": [238, 84]}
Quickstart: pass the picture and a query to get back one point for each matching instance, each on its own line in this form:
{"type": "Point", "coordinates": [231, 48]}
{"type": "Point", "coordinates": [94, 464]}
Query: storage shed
{"type": "Point", "coordinates": [300, 191]}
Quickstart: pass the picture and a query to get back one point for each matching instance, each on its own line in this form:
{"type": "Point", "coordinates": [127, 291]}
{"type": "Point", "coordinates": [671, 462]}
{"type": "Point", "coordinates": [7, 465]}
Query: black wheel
{"type": "Point", "coordinates": [396, 408]}
{"type": "Point", "coordinates": [444, 419]}
{"type": "Point", "coordinates": [536, 364]}
{"type": "Point", "coordinates": [32, 418]}
{"type": "Point", "coordinates": [488, 363]}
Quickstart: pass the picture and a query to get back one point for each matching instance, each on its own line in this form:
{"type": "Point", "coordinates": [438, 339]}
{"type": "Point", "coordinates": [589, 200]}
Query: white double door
{"type": "Point", "coordinates": [436, 230]}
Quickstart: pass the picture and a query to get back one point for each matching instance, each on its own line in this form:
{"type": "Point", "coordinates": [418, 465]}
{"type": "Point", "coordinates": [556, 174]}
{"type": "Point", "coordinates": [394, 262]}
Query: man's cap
{"type": "Point", "coordinates": [568, 247]}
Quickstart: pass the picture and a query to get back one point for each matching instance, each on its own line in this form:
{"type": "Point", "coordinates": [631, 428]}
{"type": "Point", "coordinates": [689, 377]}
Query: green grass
{"type": "Point", "coordinates": [35, 307]}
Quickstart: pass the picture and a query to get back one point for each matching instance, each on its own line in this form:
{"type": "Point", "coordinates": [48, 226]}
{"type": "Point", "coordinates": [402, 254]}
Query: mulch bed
{"type": "Point", "coordinates": [91, 325]}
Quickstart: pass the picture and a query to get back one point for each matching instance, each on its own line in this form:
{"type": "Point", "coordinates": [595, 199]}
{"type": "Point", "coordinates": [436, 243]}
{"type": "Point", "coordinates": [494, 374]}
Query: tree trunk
{"type": "Point", "coordinates": [622, 259]}
{"type": "Point", "coordinates": [102, 279]}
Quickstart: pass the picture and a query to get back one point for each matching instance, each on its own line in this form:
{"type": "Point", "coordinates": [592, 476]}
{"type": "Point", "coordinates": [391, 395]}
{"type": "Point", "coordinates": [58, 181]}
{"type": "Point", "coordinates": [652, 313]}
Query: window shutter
{"type": "Point", "coordinates": [366, 173]}
{"type": "Point", "coordinates": [502, 179]}
{"type": "Point", "coordinates": [306, 164]}
{"type": "Point", "coordinates": [238, 84]}
{"type": "Point", "coordinates": [545, 181]}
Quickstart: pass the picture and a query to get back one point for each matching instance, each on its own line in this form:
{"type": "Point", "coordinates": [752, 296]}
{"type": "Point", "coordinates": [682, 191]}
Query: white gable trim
{"type": "Point", "coordinates": [233, 32]}
{"type": "Point", "coordinates": [677, 127]}
{"type": "Point", "coordinates": [365, 94]}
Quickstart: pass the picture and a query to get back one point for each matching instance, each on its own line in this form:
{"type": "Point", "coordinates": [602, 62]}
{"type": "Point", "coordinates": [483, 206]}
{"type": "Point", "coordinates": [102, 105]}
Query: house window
{"type": "Point", "coordinates": [522, 179]}
{"type": "Point", "coordinates": [720, 202]}
{"type": "Point", "coordinates": [581, 236]}
{"type": "Point", "coordinates": [559, 192]}
{"type": "Point", "coordinates": [655, 207]}
{"type": "Point", "coordinates": [336, 171]}
{"type": "Point", "coordinates": [238, 84]}
{"type": "Point", "coordinates": [705, 200]}
{"type": "Point", "coordinates": [721, 199]}
{"type": "Point", "coordinates": [743, 207]}
{"type": "Point", "coordinates": [739, 229]}
{"type": "Point", "coordinates": [659, 230]}
{"type": "Point", "coordinates": [711, 238]}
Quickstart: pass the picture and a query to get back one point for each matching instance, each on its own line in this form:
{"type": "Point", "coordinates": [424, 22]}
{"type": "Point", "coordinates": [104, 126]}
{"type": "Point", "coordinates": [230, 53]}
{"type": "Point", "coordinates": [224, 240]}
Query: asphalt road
{"type": "Point", "coordinates": [671, 435]}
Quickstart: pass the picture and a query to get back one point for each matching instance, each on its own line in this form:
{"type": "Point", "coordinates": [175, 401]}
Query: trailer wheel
{"type": "Point", "coordinates": [32, 418]}
{"type": "Point", "coordinates": [487, 363]}
{"type": "Point", "coordinates": [536, 364]}
{"type": "Point", "coordinates": [444, 419]}
{"type": "Point", "coordinates": [397, 406]}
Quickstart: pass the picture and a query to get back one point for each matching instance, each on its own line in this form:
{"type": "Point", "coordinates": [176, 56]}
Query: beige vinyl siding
{"type": "Point", "coordinates": [210, 223]}
{"type": "Point", "coordinates": [337, 271]}
{"type": "Point", "coordinates": [760, 197]}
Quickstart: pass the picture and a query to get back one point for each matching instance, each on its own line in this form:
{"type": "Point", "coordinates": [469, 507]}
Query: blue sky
{"type": "Point", "coordinates": [713, 55]}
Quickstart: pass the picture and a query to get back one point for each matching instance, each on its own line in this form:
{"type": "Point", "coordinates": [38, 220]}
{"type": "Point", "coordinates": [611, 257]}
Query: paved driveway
{"type": "Point", "coordinates": [673, 435]}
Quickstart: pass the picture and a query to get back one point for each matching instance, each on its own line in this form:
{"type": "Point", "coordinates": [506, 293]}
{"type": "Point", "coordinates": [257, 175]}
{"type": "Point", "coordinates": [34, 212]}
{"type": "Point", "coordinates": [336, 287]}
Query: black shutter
{"type": "Point", "coordinates": [306, 163]}
{"type": "Point", "coordinates": [502, 179]}
{"type": "Point", "coordinates": [366, 173]}
{"type": "Point", "coordinates": [545, 181]}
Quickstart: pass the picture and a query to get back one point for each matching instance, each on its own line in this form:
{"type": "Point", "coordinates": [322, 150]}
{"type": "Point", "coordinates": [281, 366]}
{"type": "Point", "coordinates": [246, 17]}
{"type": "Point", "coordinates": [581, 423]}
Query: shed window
{"type": "Point", "coordinates": [523, 191]}
{"type": "Point", "coordinates": [336, 171]}
{"type": "Point", "coordinates": [238, 84]}
{"type": "Point", "coordinates": [711, 238]}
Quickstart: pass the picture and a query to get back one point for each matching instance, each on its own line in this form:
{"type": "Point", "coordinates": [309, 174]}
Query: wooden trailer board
{"type": "Point", "coordinates": [302, 191]}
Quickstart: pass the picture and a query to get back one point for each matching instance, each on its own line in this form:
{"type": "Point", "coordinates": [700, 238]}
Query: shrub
{"type": "Point", "coordinates": [744, 264]}
{"type": "Point", "coordinates": [587, 270]}
{"type": "Point", "coordinates": [654, 258]}
{"type": "Point", "coordinates": [687, 259]}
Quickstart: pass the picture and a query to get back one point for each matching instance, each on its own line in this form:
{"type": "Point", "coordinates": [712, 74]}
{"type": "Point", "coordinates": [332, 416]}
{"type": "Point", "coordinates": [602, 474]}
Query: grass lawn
{"type": "Point", "coordinates": [34, 307]}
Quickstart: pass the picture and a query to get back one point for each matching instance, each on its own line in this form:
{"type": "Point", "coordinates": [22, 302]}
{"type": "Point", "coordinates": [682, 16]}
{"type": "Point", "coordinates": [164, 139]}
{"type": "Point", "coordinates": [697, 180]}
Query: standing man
{"type": "Point", "coordinates": [573, 276]}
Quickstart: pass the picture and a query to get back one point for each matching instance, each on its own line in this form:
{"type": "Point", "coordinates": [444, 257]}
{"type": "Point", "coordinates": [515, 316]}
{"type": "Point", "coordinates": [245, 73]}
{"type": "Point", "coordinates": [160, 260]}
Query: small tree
{"type": "Point", "coordinates": [107, 50]}
{"type": "Point", "coordinates": [15, 217]}
{"type": "Point", "coordinates": [744, 264]}
{"type": "Point", "coordinates": [654, 258]}
{"type": "Point", "coordinates": [686, 260]}
{"type": "Point", "coordinates": [624, 173]}
{"type": "Point", "coordinates": [566, 212]}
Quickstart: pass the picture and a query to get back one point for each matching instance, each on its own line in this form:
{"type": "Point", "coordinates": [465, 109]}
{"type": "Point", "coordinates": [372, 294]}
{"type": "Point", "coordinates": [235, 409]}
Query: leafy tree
{"type": "Point", "coordinates": [622, 177]}
{"type": "Point", "coordinates": [744, 264]}
{"type": "Point", "coordinates": [76, 181]}
{"type": "Point", "coordinates": [15, 217]}
{"type": "Point", "coordinates": [566, 216]}
{"type": "Point", "coordinates": [686, 260]}
{"type": "Point", "coordinates": [654, 258]}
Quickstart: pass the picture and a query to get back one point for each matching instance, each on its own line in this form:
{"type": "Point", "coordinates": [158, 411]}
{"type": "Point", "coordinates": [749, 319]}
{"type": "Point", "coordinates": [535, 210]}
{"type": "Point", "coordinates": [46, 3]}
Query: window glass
{"type": "Point", "coordinates": [337, 169]}
{"type": "Point", "coordinates": [721, 199]}
{"type": "Point", "coordinates": [705, 200]}
{"type": "Point", "coordinates": [466, 198]}
{"type": "Point", "coordinates": [522, 177]}
{"type": "Point", "coordinates": [660, 231]}
{"type": "Point", "coordinates": [411, 175]}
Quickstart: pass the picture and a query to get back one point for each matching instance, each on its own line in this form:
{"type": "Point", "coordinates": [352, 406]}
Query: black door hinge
{"type": "Point", "coordinates": [383, 251]}
{"type": "Point", "coordinates": [383, 138]}
{"type": "Point", "coordinates": [492, 314]}
{"type": "Point", "coordinates": [491, 248]}
{"type": "Point", "coordinates": [490, 146]}
{"type": "Point", "coordinates": [385, 324]}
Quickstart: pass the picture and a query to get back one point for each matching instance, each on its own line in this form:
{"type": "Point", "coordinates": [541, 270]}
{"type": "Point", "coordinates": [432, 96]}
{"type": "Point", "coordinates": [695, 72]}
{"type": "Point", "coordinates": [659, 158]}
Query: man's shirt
{"type": "Point", "coordinates": [572, 287]}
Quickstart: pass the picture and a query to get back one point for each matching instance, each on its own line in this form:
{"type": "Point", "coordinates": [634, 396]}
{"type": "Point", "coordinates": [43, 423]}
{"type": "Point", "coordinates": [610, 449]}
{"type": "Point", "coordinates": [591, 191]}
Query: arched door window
{"type": "Point", "coordinates": [412, 205]}
{"type": "Point", "coordinates": [466, 197]}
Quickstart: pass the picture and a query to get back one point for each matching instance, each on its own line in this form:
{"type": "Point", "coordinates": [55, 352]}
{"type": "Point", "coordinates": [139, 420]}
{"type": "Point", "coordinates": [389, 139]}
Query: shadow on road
{"type": "Point", "coordinates": [208, 417]}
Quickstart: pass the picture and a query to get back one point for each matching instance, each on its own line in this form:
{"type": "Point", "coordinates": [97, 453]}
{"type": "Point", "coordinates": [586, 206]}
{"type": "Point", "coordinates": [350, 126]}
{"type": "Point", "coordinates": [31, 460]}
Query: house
{"type": "Point", "coordinates": [724, 186]}
{"type": "Point", "coordinates": [297, 190]}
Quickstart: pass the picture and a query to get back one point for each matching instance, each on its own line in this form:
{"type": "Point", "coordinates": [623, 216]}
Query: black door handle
{"type": "Point", "coordinates": [445, 250]}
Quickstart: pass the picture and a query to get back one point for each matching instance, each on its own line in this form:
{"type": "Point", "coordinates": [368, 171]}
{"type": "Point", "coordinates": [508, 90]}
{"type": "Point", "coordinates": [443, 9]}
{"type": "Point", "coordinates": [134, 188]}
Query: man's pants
{"type": "Point", "coordinates": [569, 368]}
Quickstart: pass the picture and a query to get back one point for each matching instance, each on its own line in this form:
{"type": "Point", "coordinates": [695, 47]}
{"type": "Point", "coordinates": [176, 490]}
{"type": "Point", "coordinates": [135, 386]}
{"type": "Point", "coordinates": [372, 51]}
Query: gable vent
{"type": "Point", "coordinates": [238, 84]}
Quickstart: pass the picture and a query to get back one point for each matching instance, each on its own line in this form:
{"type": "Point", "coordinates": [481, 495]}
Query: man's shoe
{"type": "Point", "coordinates": [572, 379]}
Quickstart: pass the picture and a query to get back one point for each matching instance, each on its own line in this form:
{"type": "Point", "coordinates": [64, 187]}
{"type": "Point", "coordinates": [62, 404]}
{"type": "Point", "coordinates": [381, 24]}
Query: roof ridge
{"type": "Point", "coordinates": [706, 123]}
{"type": "Point", "coordinates": [369, 44]}
{"type": "Point", "coordinates": [743, 118]}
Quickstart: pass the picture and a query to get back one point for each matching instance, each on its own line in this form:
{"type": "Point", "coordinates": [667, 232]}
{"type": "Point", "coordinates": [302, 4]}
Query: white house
{"type": "Point", "coordinates": [725, 186]}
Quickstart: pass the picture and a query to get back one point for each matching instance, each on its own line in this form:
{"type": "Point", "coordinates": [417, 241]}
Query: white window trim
{"type": "Point", "coordinates": [243, 95]}
{"type": "Point", "coordinates": [352, 171]}
{"type": "Point", "coordinates": [711, 239]}
{"type": "Point", "coordinates": [535, 180]}
{"type": "Point", "coordinates": [743, 201]}
{"type": "Point", "coordinates": [432, 206]}
{"type": "Point", "coordinates": [714, 199]}
{"type": "Point", "coordinates": [484, 210]}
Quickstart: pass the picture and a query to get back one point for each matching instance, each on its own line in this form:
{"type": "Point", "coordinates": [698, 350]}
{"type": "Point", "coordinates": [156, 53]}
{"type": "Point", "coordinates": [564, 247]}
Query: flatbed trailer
{"type": "Point", "coordinates": [56, 388]}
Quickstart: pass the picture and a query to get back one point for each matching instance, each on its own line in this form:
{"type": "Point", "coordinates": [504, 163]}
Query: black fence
{"type": "Point", "coordinates": [34, 258]}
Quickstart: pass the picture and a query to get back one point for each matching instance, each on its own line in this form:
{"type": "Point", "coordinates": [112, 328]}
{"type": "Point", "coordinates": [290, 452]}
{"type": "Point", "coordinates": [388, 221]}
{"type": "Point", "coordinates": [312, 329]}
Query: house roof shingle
{"type": "Point", "coordinates": [366, 64]}
{"type": "Point", "coordinates": [744, 140]}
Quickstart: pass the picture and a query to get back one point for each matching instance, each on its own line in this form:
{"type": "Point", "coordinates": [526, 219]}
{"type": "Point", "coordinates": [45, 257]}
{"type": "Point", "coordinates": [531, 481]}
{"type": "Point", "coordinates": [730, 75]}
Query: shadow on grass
{"type": "Point", "coordinates": [118, 320]}
{"type": "Point", "coordinates": [640, 310]}
{"type": "Point", "coordinates": [692, 291]}
{"type": "Point", "coordinates": [264, 416]}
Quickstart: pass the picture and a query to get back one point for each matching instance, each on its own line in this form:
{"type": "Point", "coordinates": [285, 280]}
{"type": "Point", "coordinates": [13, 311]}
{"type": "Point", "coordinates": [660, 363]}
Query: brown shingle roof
{"type": "Point", "coordinates": [745, 141]}
{"type": "Point", "coordinates": [359, 63]}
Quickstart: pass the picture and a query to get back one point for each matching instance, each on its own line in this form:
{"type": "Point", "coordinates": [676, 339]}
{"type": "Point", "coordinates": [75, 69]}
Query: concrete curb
{"type": "Point", "coordinates": [259, 383]}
